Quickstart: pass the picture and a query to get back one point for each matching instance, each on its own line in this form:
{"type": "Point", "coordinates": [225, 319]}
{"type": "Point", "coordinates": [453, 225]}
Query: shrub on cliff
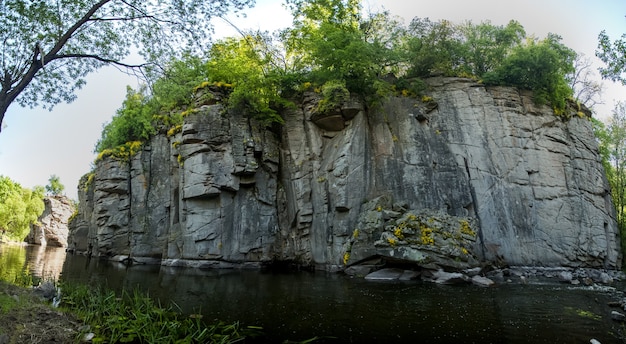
{"type": "Point", "coordinates": [133, 122]}
{"type": "Point", "coordinates": [540, 66]}
{"type": "Point", "coordinates": [247, 64]}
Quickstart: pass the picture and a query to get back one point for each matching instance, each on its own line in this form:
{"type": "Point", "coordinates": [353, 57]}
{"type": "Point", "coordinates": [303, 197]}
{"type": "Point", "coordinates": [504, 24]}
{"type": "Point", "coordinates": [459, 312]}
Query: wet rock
{"type": "Point", "coordinates": [442, 277]}
{"type": "Point", "coordinates": [565, 276]}
{"type": "Point", "coordinates": [606, 278]}
{"type": "Point", "coordinates": [482, 281]}
{"type": "Point", "coordinates": [358, 270]}
{"type": "Point", "coordinates": [388, 274]}
{"type": "Point", "coordinates": [472, 272]}
{"type": "Point", "coordinates": [409, 275]}
{"type": "Point", "coordinates": [617, 316]}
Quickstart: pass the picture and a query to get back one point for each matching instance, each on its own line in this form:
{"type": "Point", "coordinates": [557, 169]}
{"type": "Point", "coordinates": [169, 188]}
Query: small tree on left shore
{"type": "Point", "coordinates": [19, 208]}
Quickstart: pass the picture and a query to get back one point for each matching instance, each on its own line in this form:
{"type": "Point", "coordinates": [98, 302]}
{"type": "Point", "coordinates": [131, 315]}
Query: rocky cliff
{"type": "Point", "coordinates": [465, 175]}
{"type": "Point", "coordinates": [51, 228]}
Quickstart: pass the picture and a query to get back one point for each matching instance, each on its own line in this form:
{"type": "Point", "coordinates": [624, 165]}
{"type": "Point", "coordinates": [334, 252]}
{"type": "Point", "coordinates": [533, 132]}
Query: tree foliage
{"type": "Point", "coordinates": [19, 208]}
{"type": "Point", "coordinates": [540, 66]}
{"type": "Point", "coordinates": [333, 48]}
{"type": "Point", "coordinates": [612, 149]}
{"type": "Point", "coordinates": [613, 54]}
{"type": "Point", "coordinates": [246, 66]}
{"type": "Point", "coordinates": [54, 186]}
{"type": "Point", "coordinates": [132, 122]}
{"type": "Point", "coordinates": [48, 47]}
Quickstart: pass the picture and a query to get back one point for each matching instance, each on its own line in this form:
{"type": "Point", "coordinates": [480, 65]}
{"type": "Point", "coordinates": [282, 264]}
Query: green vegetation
{"type": "Point", "coordinates": [19, 208]}
{"type": "Point", "coordinates": [612, 149]}
{"type": "Point", "coordinates": [133, 122]}
{"type": "Point", "coordinates": [54, 186]}
{"type": "Point", "coordinates": [613, 54]}
{"type": "Point", "coordinates": [48, 47]}
{"type": "Point", "coordinates": [335, 50]}
{"type": "Point", "coordinates": [136, 318]}
{"type": "Point", "coordinates": [540, 66]}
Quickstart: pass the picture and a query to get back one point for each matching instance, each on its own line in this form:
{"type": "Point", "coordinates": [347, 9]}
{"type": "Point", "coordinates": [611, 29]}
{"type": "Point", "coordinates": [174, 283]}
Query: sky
{"type": "Point", "coordinates": [37, 143]}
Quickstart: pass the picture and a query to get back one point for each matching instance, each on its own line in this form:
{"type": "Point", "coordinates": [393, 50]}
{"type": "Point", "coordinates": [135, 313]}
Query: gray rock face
{"type": "Point", "coordinates": [52, 227]}
{"type": "Point", "coordinates": [474, 175]}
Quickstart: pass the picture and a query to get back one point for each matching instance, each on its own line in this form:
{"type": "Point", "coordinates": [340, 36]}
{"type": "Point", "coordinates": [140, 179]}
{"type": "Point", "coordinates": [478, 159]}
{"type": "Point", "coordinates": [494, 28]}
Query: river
{"type": "Point", "coordinates": [298, 306]}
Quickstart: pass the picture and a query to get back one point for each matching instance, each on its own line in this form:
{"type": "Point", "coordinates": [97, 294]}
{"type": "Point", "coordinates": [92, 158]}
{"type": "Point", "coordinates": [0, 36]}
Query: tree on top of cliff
{"type": "Point", "coordinates": [55, 187]}
{"type": "Point", "coordinates": [48, 47]}
{"type": "Point", "coordinates": [540, 66]}
{"type": "Point", "coordinates": [331, 41]}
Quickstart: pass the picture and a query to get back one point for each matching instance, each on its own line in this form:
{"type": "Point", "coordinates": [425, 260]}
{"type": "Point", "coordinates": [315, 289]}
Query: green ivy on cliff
{"type": "Point", "coordinates": [333, 43]}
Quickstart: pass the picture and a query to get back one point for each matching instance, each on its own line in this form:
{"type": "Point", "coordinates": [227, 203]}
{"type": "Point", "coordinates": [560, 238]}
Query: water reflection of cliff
{"type": "Point", "coordinates": [40, 262]}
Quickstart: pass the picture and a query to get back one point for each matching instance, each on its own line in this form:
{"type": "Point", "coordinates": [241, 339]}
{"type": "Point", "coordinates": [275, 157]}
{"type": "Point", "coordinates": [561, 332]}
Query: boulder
{"type": "Point", "coordinates": [482, 281]}
{"type": "Point", "coordinates": [389, 274]}
{"type": "Point", "coordinates": [617, 316]}
{"type": "Point", "coordinates": [443, 277]}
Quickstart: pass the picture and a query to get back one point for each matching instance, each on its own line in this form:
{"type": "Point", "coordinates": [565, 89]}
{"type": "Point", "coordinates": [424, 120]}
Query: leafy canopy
{"type": "Point", "coordinates": [19, 208]}
{"type": "Point", "coordinates": [613, 54]}
{"type": "Point", "coordinates": [334, 49]}
{"type": "Point", "coordinates": [612, 148]}
{"type": "Point", "coordinates": [48, 47]}
{"type": "Point", "coordinates": [132, 122]}
{"type": "Point", "coordinates": [540, 66]}
{"type": "Point", "coordinates": [54, 186]}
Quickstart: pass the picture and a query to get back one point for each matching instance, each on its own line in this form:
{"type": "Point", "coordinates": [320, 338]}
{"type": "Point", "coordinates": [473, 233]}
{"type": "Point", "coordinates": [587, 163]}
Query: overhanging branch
{"type": "Point", "coordinates": [101, 59]}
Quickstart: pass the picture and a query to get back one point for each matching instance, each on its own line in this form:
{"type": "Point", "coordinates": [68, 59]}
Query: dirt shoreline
{"type": "Point", "coordinates": [27, 318]}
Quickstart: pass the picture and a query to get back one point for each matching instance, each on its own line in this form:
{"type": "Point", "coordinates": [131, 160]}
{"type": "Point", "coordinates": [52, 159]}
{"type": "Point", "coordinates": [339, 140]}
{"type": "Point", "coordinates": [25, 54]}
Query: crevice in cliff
{"type": "Point", "coordinates": [475, 208]}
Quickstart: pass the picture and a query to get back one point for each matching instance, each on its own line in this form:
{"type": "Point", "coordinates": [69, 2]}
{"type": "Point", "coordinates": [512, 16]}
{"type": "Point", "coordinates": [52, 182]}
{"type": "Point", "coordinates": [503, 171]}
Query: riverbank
{"type": "Point", "coordinates": [26, 318]}
{"type": "Point", "coordinates": [89, 315]}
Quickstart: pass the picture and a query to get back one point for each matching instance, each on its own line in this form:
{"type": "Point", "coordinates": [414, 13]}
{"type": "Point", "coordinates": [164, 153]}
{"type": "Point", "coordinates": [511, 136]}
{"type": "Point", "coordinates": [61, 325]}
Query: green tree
{"type": "Point", "coordinates": [434, 48]}
{"type": "Point", "coordinates": [132, 122]}
{"type": "Point", "coordinates": [246, 65]}
{"type": "Point", "coordinates": [173, 90]}
{"type": "Point", "coordinates": [613, 54]}
{"type": "Point", "coordinates": [19, 207]}
{"type": "Point", "coordinates": [48, 47]}
{"type": "Point", "coordinates": [541, 66]}
{"type": "Point", "coordinates": [486, 45]}
{"type": "Point", "coordinates": [54, 186]}
{"type": "Point", "coordinates": [331, 41]}
{"type": "Point", "coordinates": [612, 149]}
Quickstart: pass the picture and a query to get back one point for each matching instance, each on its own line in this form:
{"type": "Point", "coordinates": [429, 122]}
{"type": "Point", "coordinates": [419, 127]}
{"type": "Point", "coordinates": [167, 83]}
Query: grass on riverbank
{"type": "Point", "coordinates": [104, 317]}
{"type": "Point", "coordinates": [135, 318]}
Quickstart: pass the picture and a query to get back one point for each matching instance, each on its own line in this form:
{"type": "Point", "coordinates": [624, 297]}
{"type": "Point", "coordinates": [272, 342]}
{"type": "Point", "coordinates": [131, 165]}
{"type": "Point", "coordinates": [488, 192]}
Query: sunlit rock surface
{"type": "Point", "coordinates": [52, 228]}
{"type": "Point", "coordinates": [464, 176]}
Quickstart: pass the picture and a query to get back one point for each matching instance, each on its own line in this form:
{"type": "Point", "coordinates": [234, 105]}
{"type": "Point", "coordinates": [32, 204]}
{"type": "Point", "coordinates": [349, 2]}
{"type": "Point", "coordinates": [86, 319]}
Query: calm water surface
{"type": "Point", "coordinates": [303, 305]}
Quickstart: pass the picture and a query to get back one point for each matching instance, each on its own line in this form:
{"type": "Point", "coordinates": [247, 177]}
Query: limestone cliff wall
{"type": "Point", "coordinates": [51, 228]}
{"type": "Point", "coordinates": [472, 175]}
